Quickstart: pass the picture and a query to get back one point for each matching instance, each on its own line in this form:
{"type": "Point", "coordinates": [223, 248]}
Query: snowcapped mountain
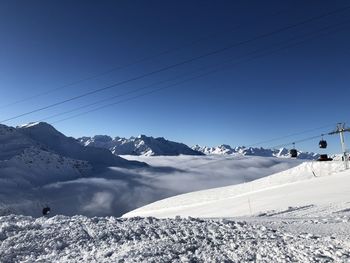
{"type": "Point", "coordinates": [50, 139]}
{"type": "Point", "coordinates": [225, 149]}
{"type": "Point", "coordinates": [23, 154]}
{"type": "Point", "coordinates": [37, 154]}
{"type": "Point", "coordinates": [141, 145]}
{"type": "Point", "coordinates": [38, 149]}
{"type": "Point", "coordinates": [149, 146]}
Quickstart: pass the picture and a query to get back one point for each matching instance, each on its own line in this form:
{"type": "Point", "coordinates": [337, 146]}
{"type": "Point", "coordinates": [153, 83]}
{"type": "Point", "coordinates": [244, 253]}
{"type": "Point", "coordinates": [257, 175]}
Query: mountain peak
{"type": "Point", "coordinates": [45, 134]}
{"type": "Point", "coordinates": [141, 145]}
{"type": "Point", "coordinates": [142, 136]}
{"type": "Point", "coordinates": [35, 124]}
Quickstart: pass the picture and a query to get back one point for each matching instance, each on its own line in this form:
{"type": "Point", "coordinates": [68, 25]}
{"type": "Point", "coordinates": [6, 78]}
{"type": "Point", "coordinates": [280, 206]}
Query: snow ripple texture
{"type": "Point", "coordinates": [110, 239]}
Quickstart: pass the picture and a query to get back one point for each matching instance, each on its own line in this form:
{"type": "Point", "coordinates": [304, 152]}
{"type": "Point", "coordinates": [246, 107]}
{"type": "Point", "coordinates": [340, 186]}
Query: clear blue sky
{"type": "Point", "coordinates": [49, 44]}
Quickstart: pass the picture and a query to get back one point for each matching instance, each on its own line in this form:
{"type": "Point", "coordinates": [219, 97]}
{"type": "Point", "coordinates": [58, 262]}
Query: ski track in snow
{"type": "Point", "coordinates": [111, 239]}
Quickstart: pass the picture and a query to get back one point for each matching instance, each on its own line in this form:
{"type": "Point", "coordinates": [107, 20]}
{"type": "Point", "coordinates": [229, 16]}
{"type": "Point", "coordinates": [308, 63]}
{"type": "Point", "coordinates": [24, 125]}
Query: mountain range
{"type": "Point", "coordinates": [149, 146]}
{"type": "Point", "coordinates": [141, 145]}
{"type": "Point", "coordinates": [225, 149]}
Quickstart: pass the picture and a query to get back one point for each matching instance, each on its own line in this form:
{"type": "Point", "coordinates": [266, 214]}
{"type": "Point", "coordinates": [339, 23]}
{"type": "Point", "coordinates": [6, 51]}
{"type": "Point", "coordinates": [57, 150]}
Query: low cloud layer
{"type": "Point", "coordinates": [115, 191]}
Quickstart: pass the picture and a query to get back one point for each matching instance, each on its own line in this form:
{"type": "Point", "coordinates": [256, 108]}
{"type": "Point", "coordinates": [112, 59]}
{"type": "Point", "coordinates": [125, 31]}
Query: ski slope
{"type": "Point", "coordinates": [314, 188]}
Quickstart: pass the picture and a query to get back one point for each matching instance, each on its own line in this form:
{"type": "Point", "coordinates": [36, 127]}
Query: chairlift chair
{"type": "Point", "coordinates": [323, 144]}
{"type": "Point", "coordinates": [293, 152]}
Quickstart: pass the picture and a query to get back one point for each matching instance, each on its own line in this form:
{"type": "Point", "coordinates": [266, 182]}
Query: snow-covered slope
{"type": "Point", "coordinates": [47, 135]}
{"type": "Point", "coordinates": [38, 167]}
{"type": "Point", "coordinates": [24, 157]}
{"type": "Point", "coordinates": [192, 173]}
{"type": "Point", "coordinates": [225, 149]}
{"type": "Point", "coordinates": [36, 155]}
{"type": "Point", "coordinates": [319, 186]}
{"type": "Point", "coordinates": [12, 142]}
{"type": "Point", "coordinates": [141, 145]}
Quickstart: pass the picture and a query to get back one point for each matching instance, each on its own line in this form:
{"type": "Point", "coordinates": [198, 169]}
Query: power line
{"type": "Point", "coordinates": [181, 82]}
{"type": "Point", "coordinates": [261, 36]}
{"type": "Point", "coordinates": [202, 68]}
{"type": "Point", "coordinates": [235, 157]}
{"type": "Point", "coordinates": [144, 59]}
{"type": "Point", "coordinates": [309, 138]}
{"type": "Point", "coordinates": [275, 147]}
{"type": "Point", "coordinates": [298, 141]}
{"type": "Point", "coordinates": [174, 78]}
{"type": "Point", "coordinates": [290, 135]}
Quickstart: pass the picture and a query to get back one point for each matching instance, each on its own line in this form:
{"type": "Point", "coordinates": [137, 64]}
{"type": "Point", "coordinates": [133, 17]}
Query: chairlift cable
{"type": "Point", "coordinates": [187, 61]}
{"type": "Point", "coordinates": [315, 34]}
{"type": "Point", "coordinates": [138, 61]}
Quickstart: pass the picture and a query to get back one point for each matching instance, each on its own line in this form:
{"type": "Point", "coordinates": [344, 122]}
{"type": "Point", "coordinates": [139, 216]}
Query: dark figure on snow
{"type": "Point", "coordinates": [46, 211]}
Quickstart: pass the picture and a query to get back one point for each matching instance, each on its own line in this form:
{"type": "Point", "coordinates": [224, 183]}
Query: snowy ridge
{"type": "Point", "coordinates": [141, 145]}
{"type": "Point", "coordinates": [306, 184]}
{"type": "Point", "coordinates": [225, 149]}
{"type": "Point", "coordinates": [47, 136]}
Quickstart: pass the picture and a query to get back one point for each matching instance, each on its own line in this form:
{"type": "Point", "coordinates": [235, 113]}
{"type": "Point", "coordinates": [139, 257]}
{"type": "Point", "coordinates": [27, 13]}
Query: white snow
{"type": "Point", "coordinates": [320, 186]}
{"type": "Point", "coordinates": [28, 125]}
{"type": "Point", "coordinates": [274, 209]}
{"type": "Point", "coordinates": [110, 239]}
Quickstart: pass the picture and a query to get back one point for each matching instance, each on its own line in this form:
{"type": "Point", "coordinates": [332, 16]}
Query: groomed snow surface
{"type": "Point", "coordinates": [321, 187]}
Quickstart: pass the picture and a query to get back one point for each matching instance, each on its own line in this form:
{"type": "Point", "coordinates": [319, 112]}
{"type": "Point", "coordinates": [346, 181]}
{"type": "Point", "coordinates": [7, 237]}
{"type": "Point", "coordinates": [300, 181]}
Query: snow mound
{"type": "Point", "coordinates": [141, 145]}
{"type": "Point", "coordinates": [311, 183]}
{"type": "Point", "coordinates": [110, 239]}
